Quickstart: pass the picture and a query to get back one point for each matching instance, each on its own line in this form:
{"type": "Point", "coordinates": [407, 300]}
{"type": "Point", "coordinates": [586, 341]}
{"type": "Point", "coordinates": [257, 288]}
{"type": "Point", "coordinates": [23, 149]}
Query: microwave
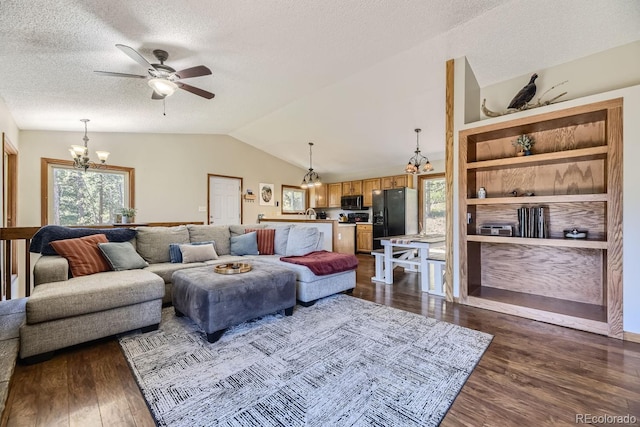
{"type": "Point", "coordinates": [351, 202]}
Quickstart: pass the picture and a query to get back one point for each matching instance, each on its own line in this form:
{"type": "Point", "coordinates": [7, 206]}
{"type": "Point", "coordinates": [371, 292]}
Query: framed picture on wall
{"type": "Point", "coordinates": [267, 194]}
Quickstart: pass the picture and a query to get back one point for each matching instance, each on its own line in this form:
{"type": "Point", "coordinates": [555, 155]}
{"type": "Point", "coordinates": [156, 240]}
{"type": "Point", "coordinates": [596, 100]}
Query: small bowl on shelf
{"type": "Point", "coordinates": [575, 233]}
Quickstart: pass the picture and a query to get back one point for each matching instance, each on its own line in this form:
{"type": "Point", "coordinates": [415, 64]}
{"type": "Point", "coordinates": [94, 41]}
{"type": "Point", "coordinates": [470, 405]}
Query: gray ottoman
{"type": "Point", "coordinates": [217, 301]}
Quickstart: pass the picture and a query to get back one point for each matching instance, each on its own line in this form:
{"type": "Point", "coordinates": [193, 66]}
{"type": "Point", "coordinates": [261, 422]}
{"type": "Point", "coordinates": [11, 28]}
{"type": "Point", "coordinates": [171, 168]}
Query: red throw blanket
{"type": "Point", "coordinates": [322, 263]}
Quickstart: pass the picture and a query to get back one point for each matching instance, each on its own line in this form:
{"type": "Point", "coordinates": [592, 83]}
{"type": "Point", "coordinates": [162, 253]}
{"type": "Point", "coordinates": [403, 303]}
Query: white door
{"type": "Point", "coordinates": [224, 200]}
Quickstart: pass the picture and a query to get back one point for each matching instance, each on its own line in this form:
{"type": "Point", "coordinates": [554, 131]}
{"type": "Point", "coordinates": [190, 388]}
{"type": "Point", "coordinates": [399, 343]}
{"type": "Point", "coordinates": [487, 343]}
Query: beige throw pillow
{"type": "Point", "coordinates": [197, 253]}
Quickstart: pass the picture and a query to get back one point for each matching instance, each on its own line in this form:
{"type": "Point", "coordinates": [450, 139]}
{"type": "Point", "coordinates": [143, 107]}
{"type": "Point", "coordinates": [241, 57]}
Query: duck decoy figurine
{"type": "Point", "coordinates": [525, 95]}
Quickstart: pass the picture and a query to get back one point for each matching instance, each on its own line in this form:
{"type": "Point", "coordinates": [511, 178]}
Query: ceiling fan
{"type": "Point", "coordinates": [163, 79]}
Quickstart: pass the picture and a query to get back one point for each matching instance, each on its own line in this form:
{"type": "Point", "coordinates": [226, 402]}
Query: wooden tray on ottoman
{"type": "Point", "coordinates": [234, 268]}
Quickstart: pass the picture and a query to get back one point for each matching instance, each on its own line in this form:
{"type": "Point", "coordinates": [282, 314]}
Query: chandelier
{"type": "Point", "coordinates": [416, 161]}
{"type": "Point", "coordinates": [311, 178]}
{"type": "Point", "coordinates": [80, 154]}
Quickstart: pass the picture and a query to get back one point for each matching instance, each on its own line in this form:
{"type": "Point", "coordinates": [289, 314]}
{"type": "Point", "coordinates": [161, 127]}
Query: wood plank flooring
{"type": "Point", "coordinates": [533, 374]}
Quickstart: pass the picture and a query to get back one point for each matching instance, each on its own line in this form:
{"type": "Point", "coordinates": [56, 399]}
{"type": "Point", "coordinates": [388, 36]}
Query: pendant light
{"type": "Point", "coordinates": [415, 162]}
{"type": "Point", "coordinates": [311, 178]}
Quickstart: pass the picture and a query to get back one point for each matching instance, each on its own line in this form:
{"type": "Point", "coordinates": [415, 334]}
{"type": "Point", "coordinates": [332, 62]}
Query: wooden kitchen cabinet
{"type": "Point", "coordinates": [352, 188]}
{"type": "Point", "coordinates": [344, 239]}
{"type": "Point", "coordinates": [368, 186]}
{"type": "Point", "coordinates": [364, 238]}
{"type": "Point", "coordinates": [335, 193]}
{"type": "Point", "coordinates": [320, 198]}
{"type": "Point", "coordinates": [397, 181]}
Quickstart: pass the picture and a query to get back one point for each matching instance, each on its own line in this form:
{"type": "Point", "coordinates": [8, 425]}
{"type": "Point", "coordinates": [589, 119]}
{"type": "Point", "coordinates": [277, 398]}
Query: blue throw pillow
{"type": "Point", "coordinates": [245, 244]}
{"type": "Point", "coordinates": [175, 254]}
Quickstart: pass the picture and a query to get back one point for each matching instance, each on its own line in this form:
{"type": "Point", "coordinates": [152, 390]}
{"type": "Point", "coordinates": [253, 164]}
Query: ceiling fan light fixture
{"type": "Point", "coordinates": [163, 86]}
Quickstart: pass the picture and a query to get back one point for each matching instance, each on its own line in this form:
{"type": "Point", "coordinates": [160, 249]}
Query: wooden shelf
{"type": "Point", "coordinates": [564, 198]}
{"type": "Point", "coordinates": [564, 243]}
{"type": "Point", "coordinates": [541, 159]}
{"type": "Point", "coordinates": [539, 302]}
{"type": "Point", "coordinates": [576, 177]}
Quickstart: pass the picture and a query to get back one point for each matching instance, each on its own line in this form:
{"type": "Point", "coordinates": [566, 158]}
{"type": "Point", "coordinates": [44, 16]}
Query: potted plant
{"type": "Point", "coordinates": [524, 143]}
{"type": "Point", "coordinates": [128, 214]}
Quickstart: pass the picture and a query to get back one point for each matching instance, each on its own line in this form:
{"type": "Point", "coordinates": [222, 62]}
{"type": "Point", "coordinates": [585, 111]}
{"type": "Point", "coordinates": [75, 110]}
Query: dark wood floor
{"type": "Point", "coordinates": [532, 374]}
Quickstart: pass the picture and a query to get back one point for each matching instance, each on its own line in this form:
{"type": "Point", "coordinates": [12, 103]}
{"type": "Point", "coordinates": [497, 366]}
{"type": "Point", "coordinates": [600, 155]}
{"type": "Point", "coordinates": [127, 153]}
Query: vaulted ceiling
{"type": "Point", "coordinates": [355, 77]}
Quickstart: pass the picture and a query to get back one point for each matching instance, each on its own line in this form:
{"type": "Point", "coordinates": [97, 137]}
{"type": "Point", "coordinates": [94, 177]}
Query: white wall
{"type": "Point", "coordinates": [598, 73]}
{"type": "Point", "coordinates": [170, 170]}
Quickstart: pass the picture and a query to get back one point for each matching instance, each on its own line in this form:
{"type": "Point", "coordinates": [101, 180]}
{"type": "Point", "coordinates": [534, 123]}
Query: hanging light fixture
{"type": "Point", "coordinates": [80, 154]}
{"type": "Point", "coordinates": [416, 161]}
{"type": "Point", "coordinates": [311, 178]}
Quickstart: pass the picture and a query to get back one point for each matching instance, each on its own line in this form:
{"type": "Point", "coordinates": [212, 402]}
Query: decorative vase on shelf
{"type": "Point", "coordinates": [125, 220]}
{"type": "Point", "coordinates": [482, 193]}
{"type": "Point", "coordinates": [527, 152]}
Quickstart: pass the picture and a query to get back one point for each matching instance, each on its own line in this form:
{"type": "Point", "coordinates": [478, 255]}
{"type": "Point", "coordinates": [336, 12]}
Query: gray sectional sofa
{"type": "Point", "coordinates": [64, 311]}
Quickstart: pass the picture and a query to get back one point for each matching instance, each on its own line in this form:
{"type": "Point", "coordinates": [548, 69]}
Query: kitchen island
{"type": "Point", "coordinates": [338, 237]}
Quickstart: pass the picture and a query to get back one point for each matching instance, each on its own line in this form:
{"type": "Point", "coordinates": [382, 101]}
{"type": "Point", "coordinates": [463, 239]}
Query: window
{"type": "Point", "coordinates": [74, 197]}
{"type": "Point", "coordinates": [433, 206]}
{"type": "Point", "coordinates": [294, 199]}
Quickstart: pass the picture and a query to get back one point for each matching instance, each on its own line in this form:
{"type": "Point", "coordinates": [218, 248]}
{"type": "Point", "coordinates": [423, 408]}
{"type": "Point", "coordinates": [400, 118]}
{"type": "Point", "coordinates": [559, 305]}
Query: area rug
{"type": "Point", "coordinates": [342, 362]}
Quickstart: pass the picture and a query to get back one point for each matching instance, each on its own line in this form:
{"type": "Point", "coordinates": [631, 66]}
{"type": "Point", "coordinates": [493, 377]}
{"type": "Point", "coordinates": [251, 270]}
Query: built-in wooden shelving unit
{"type": "Point", "coordinates": [574, 175]}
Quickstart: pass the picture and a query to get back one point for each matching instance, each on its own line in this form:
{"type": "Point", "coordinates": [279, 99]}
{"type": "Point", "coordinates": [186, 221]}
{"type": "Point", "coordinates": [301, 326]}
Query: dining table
{"type": "Point", "coordinates": [400, 250]}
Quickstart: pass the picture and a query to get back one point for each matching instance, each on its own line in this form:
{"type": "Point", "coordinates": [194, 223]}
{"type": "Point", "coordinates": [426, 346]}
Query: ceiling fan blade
{"type": "Point", "coordinates": [109, 73]}
{"type": "Point", "coordinates": [133, 54]}
{"type": "Point", "coordinates": [198, 71]}
{"type": "Point", "coordinates": [156, 95]}
{"type": "Point", "coordinates": [196, 91]}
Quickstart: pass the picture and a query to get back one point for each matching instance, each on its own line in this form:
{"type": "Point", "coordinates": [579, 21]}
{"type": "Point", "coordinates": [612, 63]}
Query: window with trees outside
{"type": "Point", "coordinates": [76, 197]}
{"type": "Point", "coordinates": [433, 206]}
{"type": "Point", "coordinates": [294, 199]}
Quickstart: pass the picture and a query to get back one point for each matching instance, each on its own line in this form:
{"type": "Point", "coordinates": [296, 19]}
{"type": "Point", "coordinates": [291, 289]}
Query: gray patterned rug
{"type": "Point", "coordinates": [342, 362]}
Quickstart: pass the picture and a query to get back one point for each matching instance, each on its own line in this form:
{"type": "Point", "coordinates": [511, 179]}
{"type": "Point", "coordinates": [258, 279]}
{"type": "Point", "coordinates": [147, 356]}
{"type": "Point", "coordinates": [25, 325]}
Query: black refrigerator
{"type": "Point", "coordinates": [395, 213]}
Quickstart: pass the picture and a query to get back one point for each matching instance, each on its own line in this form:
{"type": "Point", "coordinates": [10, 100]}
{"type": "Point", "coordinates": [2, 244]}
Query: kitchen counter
{"type": "Point", "coordinates": [295, 218]}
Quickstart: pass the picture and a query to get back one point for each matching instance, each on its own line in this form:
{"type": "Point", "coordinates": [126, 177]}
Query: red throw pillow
{"type": "Point", "coordinates": [266, 238]}
{"type": "Point", "coordinates": [83, 254]}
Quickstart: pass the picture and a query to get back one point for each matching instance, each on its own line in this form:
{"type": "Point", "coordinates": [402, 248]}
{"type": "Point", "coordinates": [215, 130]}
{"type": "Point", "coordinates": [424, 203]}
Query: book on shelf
{"type": "Point", "coordinates": [532, 222]}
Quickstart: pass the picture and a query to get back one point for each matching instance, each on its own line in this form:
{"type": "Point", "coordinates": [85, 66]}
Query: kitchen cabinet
{"type": "Point", "coordinates": [574, 178]}
{"type": "Point", "coordinates": [368, 186]}
{"type": "Point", "coordinates": [364, 237]}
{"type": "Point", "coordinates": [320, 199]}
{"type": "Point", "coordinates": [344, 241]}
{"type": "Point", "coordinates": [352, 188]}
{"type": "Point", "coordinates": [335, 193]}
{"type": "Point", "coordinates": [397, 181]}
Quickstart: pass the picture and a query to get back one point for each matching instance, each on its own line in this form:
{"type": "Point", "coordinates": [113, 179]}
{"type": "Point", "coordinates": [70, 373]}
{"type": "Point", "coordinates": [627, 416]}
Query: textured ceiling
{"type": "Point", "coordinates": [355, 77]}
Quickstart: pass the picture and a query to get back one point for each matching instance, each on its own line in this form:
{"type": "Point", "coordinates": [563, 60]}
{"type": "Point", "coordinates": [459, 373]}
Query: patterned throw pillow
{"type": "Point", "coordinates": [266, 238]}
{"type": "Point", "coordinates": [83, 254]}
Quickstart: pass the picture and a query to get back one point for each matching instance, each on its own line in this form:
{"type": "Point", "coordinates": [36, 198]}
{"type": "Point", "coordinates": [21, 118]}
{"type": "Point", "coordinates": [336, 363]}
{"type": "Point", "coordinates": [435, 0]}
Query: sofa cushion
{"type": "Point", "coordinates": [175, 254]}
{"type": "Point", "coordinates": [198, 253]}
{"type": "Point", "coordinates": [302, 240]}
{"type": "Point", "coordinates": [166, 269]}
{"type": "Point", "coordinates": [265, 238]}
{"type": "Point", "coordinates": [83, 254]}
{"type": "Point", "coordinates": [153, 242]}
{"type": "Point", "coordinates": [280, 239]}
{"type": "Point", "coordinates": [219, 234]}
{"type": "Point", "coordinates": [239, 229]}
{"type": "Point", "coordinates": [122, 256]}
{"type": "Point", "coordinates": [93, 293]}
{"type": "Point", "coordinates": [245, 244]}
